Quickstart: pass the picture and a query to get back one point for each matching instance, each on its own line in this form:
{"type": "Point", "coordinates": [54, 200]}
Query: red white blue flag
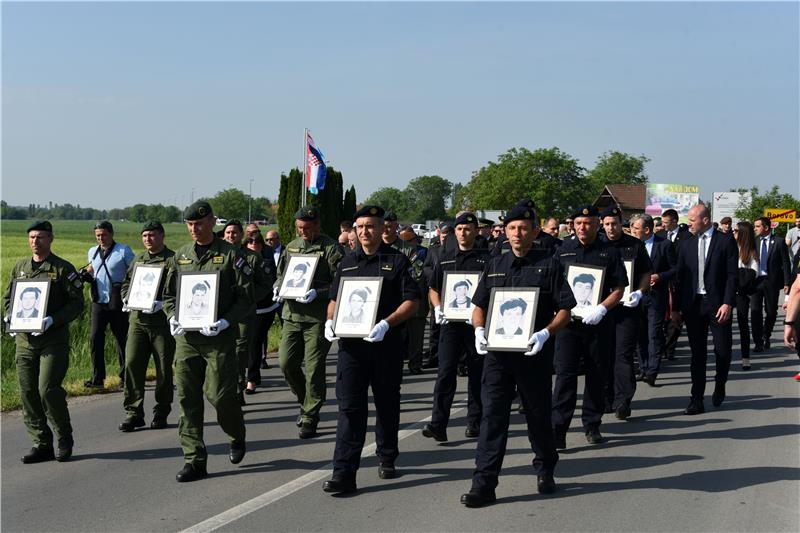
{"type": "Point", "coordinates": [315, 166]}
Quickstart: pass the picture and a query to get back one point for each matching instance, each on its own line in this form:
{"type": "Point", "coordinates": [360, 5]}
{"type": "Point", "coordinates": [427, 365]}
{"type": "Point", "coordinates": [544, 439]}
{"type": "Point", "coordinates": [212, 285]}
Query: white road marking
{"type": "Point", "coordinates": [272, 496]}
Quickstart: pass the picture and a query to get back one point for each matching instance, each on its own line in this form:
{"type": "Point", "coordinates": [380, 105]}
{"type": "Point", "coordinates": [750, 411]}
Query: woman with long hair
{"type": "Point", "coordinates": [264, 319]}
{"type": "Point", "coordinates": [748, 271]}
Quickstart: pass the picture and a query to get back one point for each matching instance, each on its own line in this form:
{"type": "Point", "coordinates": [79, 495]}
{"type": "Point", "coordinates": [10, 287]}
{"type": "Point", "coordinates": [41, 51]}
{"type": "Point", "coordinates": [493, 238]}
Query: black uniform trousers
{"type": "Point", "coordinates": [743, 321]}
{"type": "Point", "coordinates": [102, 316]}
{"type": "Point", "coordinates": [592, 345]}
{"type": "Point", "coordinates": [505, 373]}
{"type": "Point", "coordinates": [361, 365]}
{"type": "Point", "coordinates": [764, 310]}
{"type": "Point", "coordinates": [699, 319]}
{"type": "Point", "coordinates": [455, 339]}
{"type": "Point", "coordinates": [651, 338]}
{"type": "Point", "coordinates": [259, 335]}
{"type": "Point", "coordinates": [433, 339]}
{"type": "Point", "coordinates": [628, 322]}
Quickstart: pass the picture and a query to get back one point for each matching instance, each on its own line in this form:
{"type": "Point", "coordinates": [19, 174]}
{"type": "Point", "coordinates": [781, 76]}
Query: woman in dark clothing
{"type": "Point", "coordinates": [748, 270]}
{"type": "Point", "coordinates": [264, 318]}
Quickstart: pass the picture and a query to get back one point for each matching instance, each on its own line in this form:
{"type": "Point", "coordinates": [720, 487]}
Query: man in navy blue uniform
{"type": "Point", "coordinates": [707, 274]}
{"type": "Point", "coordinates": [363, 362]}
{"type": "Point", "coordinates": [456, 337]}
{"type": "Point", "coordinates": [528, 372]}
{"type": "Point", "coordinates": [590, 338]}
{"type": "Point", "coordinates": [629, 317]}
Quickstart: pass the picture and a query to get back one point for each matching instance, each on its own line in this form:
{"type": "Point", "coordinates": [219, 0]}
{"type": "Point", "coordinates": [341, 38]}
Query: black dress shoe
{"type": "Point", "coordinates": [64, 449]}
{"type": "Point", "coordinates": [462, 371]}
{"type": "Point", "coordinates": [545, 484]}
{"type": "Point", "coordinates": [758, 348]}
{"type": "Point", "coordinates": [593, 436]}
{"type": "Point", "coordinates": [639, 377]}
{"type": "Point", "coordinates": [435, 433]}
{"type": "Point", "coordinates": [158, 422]}
{"type": "Point", "coordinates": [191, 472]}
{"type": "Point", "coordinates": [767, 344]}
{"type": "Point", "coordinates": [307, 431]}
{"type": "Point", "coordinates": [695, 407]}
{"type": "Point", "coordinates": [39, 455]}
{"type": "Point", "coordinates": [238, 449]}
{"type": "Point", "coordinates": [249, 391]}
{"type": "Point", "coordinates": [415, 371]}
{"type": "Point", "coordinates": [478, 498]}
{"type": "Point", "coordinates": [719, 395]}
{"type": "Point", "coordinates": [560, 442]}
{"type": "Point", "coordinates": [622, 412]}
{"type": "Point", "coordinates": [650, 380]}
{"type": "Point", "coordinates": [131, 423]}
{"type": "Point", "coordinates": [339, 485]}
{"type": "Point", "coordinates": [472, 431]}
{"type": "Point", "coordinates": [386, 470]}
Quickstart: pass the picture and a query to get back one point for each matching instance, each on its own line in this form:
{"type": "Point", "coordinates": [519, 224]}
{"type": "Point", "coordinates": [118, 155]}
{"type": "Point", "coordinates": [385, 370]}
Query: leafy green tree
{"type": "Point", "coordinates": [772, 198]}
{"type": "Point", "coordinates": [425, 198]}
{"type": "Point", "coordinates": [138, 213]}
{"type": "Point", "coordinates": [349, 205]}
{"type": "Point", "coordinates": [289, 203]}
{"type": "Point", "coordinates": [389, 198]}
{"type": "Point", "coordinates": [618, 167]}
{"type": "Point", "coordinates": [329, 202]}
{"type": "Point", "coordinates": [230, 203]}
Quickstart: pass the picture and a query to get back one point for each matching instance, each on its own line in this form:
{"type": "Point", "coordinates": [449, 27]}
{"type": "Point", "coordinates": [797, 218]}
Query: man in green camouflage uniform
{"type": "Point", "coordinates": [263, 269]}
{"type": "Point", "coordinates": [414, 327]}
{"type": "Point", "coordinates": [303, 335]}
{"type": "Point", "coordinates": [43, 357]}
{"type": "Point", "coordinates": [148, 333]}
{"type": "Point", "coordinates": [205, 360]}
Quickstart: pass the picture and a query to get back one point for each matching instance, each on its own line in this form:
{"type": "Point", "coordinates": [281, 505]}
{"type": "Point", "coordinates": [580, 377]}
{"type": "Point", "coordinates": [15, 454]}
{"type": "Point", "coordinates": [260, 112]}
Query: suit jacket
{"type": "Point", "coordinates": [663, 257]}
{"type": "Point", "coordinates": [779, 269]}
{"type": "Point", "coordinates": [683, 234]}
{"type": "Point", "coordinates": [720, 275]}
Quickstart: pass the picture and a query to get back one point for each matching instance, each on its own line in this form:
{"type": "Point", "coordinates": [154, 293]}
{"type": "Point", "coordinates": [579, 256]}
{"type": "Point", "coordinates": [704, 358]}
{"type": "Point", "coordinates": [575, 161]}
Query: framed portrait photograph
{"type": "Point", "coordinates": [586, 282]}
{"type": "Point", "coordinates": [458, 288]}
{"type": "Point", "coordinates": [198, 296]}
{"type": "Point", "coordinates": [298, 276]}
{"type": "Point", "coordinates": [510, 322]}
{"type": "Point", "coordinates": [143, 290]}
{"type": "Point", "coordinates": [356, 306]}
{"type": "Point", "coordinates": [28, 305]}
{"type": "Point", "coordinates": [626, 296]}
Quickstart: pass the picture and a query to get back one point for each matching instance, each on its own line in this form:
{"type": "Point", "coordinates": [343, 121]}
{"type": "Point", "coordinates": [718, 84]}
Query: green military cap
{"type": "Point", "coordinates": [309, 213]}
{"type": "Point", "coordinates": [369, 211]}
{"type": "Point", "coordinates": [152, 225]}
{"type": "Point", "coordinates": [40, 225]}
{"type": "Point", "coordinates": [390, 216]}
{"type": "Point", "coordinates": [233, 222]}
{"type": "Point", "coordinates": [466, 218]}
{"type": "Point", "coordinates": [196, 211]}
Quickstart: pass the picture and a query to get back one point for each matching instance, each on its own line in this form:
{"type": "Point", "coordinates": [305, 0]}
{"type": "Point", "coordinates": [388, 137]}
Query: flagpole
{"type": "Point", "coordinates": [305, 165]}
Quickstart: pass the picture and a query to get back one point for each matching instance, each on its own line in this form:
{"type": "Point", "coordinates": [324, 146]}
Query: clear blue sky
{"type": "Point", "coordinates": [110, 104]}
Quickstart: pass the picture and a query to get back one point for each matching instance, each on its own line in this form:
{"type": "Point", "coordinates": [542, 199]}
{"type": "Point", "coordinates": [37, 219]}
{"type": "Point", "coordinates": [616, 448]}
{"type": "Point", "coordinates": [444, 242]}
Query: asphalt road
{"type": "Point", "coordinates": [735, 468]}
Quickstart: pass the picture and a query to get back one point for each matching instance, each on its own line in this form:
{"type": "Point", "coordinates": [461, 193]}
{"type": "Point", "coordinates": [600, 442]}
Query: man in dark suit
{"type": "Point", "coordinates": [663, 258]}
{"type": "Point", "coordinates": [774, 273]}
{"type": "Point", "coordinates": [705, 293]}
{"type": "Point", "coordinates": [674, 233]}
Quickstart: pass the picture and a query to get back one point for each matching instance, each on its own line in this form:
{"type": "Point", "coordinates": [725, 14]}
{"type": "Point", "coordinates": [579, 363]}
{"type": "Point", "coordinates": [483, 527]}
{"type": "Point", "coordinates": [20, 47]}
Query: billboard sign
{"type": "Point", "coordinates": [725, 204]}
{"type": "Point", "coordinates": [663, 196]}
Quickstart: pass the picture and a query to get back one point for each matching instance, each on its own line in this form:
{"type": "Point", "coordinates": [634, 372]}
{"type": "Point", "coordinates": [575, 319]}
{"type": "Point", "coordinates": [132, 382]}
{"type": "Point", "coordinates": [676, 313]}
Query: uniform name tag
{"type": "Point", "coordinates": [184, 261]}
{"type": "Point", "coordinates": [217, 260]}
{"type": "Point", "coordinates": [293, 250]}
{"type": "Point", "coordinates": [603, 254]}
{"type": "Point", "coordinates": [448, 262]}
{"type": "Point", "coordinates": [567, 254]}
{"type": "Point", "coordinates": [347, 269]}
{"type": "Point", "coordinates": [495, 275]}
{"type": "Point", "coordinates": [388, 267]}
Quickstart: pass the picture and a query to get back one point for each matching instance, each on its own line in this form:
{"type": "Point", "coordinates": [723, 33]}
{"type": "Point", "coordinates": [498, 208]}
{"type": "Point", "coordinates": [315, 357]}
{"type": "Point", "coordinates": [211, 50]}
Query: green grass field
{"type": "Point", "coordinates": [73, 238]}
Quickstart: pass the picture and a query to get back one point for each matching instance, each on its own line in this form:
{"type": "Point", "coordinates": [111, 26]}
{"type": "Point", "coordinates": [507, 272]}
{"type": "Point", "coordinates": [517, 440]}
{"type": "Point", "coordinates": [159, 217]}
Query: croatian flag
{"type": "Point", "coordinates": [315, 166]}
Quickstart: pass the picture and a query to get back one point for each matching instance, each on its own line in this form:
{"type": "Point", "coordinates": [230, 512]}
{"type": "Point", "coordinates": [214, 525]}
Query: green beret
{"type": "Point", "coordinates": [309, 213]}
{"type": "Point", "coordinates": [40, 225]}
{"type": "Point", "coordinates": [612, 211]}
{"type": "Point", "coordinates": [369, 211]}
{"type": "Point", "coordinates": [390, 216]}
{"type": "Point", "coordinates": [466, 218]}
{"type": "Point", "coordinates": [586, 211]}
{"type": "Point", "coordinates": [152, 225]}
{"type": "Point", "coordinates": [233, 222]}
{"type": "Point", "coordinates": [196, 211]}
{"type": "Point", "coordinates": [520, 212]}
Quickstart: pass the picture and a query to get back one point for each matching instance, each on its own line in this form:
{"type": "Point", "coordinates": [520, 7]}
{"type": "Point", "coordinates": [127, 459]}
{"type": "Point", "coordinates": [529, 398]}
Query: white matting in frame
{"type": "Point", "coordinates": [512, 314]}
{"type": "Point", "coordinates": [458, 289]}
{"type": "Point", "coordinates": [626, 296]}
{"type": "Point", "coordinates": [298, 276]}
{"type": "Point", "coordinates": [586, 282]}
{"type": "Point", "coordinates": [356, 306]}
{"type": "Point", "coordinates": [28, 305]}
{"type": "Point", "coordinates": [198, 296]}
{"type": "Point", "coordinates": [143, 290]}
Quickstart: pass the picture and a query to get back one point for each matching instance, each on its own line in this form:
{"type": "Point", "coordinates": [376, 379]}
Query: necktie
{"type": "Point", "coordinates": [763, 261]}
{"type": "Point", "coordinates": [701, 265]}
{"type": "Point", "coordinates": [672, 236]}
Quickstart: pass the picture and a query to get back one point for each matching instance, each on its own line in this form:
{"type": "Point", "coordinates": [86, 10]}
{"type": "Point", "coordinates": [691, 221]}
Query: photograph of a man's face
{"type": "Point", "coordinates": [356, 306]}
{"type": "Point", "coordinates": [28, 307]}
{"type": "Point", "coordinates": [355, 313]}
{"type": "Point", "coordinates": [461, 300]}
{"type": "Point", "coordinates": [143, 291]}
{"type": "Point", "coordinates": [197, 299]}
{"type": "Point", "coordinates": [29, 303]}
{"type": "Point", "coordinates": [198, 305]}
{"type": "Point", "coordinates": [511, 317]}
{"type": "Point", "coordinates": [511, 313]}
{"type": "Point", "coordinates": [586, 282]}
{"type": "Point", "coordinates": [298, 277]}
{"type": "Point", "coordinates": [456, 300]}
{"type": "Point", "coordinates": [582, 287]}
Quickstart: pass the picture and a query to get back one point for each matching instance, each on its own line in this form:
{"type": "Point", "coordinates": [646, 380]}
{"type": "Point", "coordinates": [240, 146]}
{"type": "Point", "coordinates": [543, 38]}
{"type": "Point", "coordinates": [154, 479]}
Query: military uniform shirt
{"type": "Point", "coordinates": [632, 249]}
{"type": "Point", "coordinates": [473, 260]}
{"type": "Point", "coordinates": [599, 253]}
{"type": "Point", "coordinates": [145, 258]}
{"type": "Point", "coordinates": [537, 268]}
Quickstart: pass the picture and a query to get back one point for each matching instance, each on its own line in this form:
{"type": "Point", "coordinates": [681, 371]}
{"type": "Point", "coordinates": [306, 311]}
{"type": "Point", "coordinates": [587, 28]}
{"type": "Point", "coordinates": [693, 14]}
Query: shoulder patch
{"type": "Point", "coordinates": [218, 259]}
{"type": "Point", "coordinates": [53, 275]}
{"type": "Point", "coordinates": [293, 250]}
{"type": "Point", "coordinates": [71, 276]}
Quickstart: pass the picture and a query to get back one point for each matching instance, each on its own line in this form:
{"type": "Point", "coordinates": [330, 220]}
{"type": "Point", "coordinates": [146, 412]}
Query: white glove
{"type": "Point", "coordinates": [214, 329]}
{"type": "Point", "coordinates": [595, 315]}
{"type": "Point", "coordinates": [635, 298]}
{"type": "Point", "coordinates": [480, 341]}
{"type": "Point", "coordinates": [308, 297]}
{"type": "Point", "coordinates": [48, 321]}
{"type": "Point", "coordinates": [330, 336]}
{"type": "Point", "coordinates": [275, 297]}
{"type": "Point", "coordinates": [175, 328]}
{"type": "Point", "coordinates": [438, 316]}
{"type": "Point", "coordinates": [537, 340]}
{"type": "Point", "coordinates": [378, 332]}
{"type": "Point", "coordinates": [7, 320]}
{"type": "Point", "coordinates": [158, 305]}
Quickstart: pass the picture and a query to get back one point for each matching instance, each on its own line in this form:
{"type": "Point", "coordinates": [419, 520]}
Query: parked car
{"type": "Point", "coordinates": [419, 229]}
